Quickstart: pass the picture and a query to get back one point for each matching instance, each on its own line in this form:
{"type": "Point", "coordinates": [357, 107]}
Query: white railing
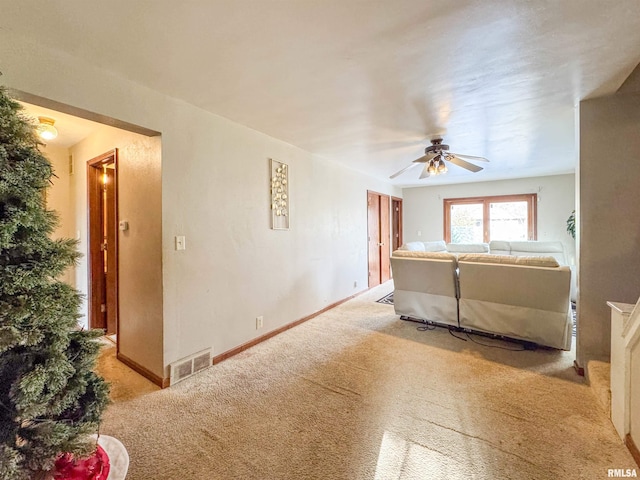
{"type": "Point", "coordinates": [625, 369]}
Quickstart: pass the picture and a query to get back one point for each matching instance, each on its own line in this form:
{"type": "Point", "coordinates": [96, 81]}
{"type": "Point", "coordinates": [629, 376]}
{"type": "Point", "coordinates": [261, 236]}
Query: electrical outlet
{"type": "Point", "coordinates": [355, 284]}
{"type": "Point", "coordinates": [259, 322]}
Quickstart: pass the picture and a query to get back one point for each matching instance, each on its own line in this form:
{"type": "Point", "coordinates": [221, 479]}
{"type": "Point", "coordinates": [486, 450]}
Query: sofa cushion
{"type": "Point", "coordinates": [427, 255]}
{"type": "Point", "coordinates": [413, 247]}
{"type": "Point", "coordinates": [532, 261]}
{"type": "Point", "coordinates": [537, 261]}
{"type": "Point", "coordinates": [537, 247]}
{"type": "Point", "coordinates": [534, 248]}
{"type": "Point", "coordinates": [499, 247]}
{"type": "Point", "coordinates": [486, 258]}
{"type": "Point", "coordinates": [435, 246]}
{"type": "Point", "coordinates": [468, 247]}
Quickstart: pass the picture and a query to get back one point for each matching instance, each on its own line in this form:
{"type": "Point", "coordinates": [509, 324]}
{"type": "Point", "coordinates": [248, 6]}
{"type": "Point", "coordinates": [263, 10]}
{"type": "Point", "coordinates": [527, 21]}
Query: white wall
{"type": "Point", "coordinates": [424, 213]}
{"type": "Point", "coordinates": [235, 267]}
{"type": "Point", "coordinates": [140, 324]}
{"type": "Point", "coordinates": [215, 191]}
{"type": "Point", "coordinates": [634, 395]}
{"type": "Point", "coordinates": [609, 225]}
{"type": "Point", "coordinates": [59, 198]}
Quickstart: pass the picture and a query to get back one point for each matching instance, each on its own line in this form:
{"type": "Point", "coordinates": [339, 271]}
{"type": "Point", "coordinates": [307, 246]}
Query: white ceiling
{"type": "Point", "coordinates": [71, 129]}
{"type": "Point", "coordinates": [367, 82]}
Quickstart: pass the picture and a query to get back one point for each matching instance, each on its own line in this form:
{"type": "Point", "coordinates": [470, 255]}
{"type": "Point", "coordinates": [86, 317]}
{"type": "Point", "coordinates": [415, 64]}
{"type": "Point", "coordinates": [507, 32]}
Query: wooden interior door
{"type": "Point", "coordinates": [396, 223]}
{"type": "Point", "coordinates": [378, 226]}
{"type": "Point", "coordinates": [103, 242]}
{"type": "Point", "coordinates": [373, 227]}
{"type": "Point", "coordinates": [111, 250]}
{"type": "Point", "coordinates": [385, 237]}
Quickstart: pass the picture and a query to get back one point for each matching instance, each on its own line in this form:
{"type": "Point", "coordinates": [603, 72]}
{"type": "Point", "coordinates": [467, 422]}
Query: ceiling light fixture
{"type": "Point", "coordinates": [437, 166]}
{"type": "Point", "coordinates": [46, 130]}
{"type": "Point", "coordinates": [435, 160]}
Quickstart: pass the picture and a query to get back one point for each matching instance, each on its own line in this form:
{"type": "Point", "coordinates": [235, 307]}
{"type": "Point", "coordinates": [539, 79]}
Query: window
{"type": "Point", "coordinates": [482, 219]}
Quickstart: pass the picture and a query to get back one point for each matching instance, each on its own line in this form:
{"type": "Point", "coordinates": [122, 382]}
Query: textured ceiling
{"type": "Point", "coordinates": [71, 129]}
{"type": "Point", "coordinates": [366, 83]}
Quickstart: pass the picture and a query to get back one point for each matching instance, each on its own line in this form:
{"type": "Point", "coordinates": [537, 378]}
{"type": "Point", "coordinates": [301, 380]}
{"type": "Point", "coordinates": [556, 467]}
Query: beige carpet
{"type": "Point", "coordinates": [357, 393]}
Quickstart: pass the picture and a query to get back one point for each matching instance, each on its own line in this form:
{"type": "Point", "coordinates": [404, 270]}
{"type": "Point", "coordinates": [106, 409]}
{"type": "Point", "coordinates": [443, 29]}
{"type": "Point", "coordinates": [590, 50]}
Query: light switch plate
{"type": "Point", "coordinates": [181, 242]}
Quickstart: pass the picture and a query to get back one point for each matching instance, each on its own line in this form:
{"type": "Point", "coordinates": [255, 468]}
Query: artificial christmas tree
{"type": "Point", "coordinates": [50, 398]}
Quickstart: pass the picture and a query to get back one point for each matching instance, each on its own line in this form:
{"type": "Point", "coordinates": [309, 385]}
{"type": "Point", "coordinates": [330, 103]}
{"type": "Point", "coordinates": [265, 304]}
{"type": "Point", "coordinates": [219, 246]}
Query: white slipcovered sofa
{"type": "Point", "coordinates": [536, 249]}
{"type": "Point", "coordinates": [526, 298]}
{"type": "Point", "coordinates": [441, 246]}
{"type": "Point", "coordinates": [521, 297]}
{"type": "Point", "coordinates": [530, 248]}
{"type": "Point", "coordinates": [425, 286]}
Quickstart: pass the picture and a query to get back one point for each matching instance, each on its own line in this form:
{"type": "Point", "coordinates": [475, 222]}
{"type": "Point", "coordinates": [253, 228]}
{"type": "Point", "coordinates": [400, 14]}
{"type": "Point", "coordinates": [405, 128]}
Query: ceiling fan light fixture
{"type": "Point", "coordinates": [435, 157]}
{"type": "Point", "coordinates": [45, 128]}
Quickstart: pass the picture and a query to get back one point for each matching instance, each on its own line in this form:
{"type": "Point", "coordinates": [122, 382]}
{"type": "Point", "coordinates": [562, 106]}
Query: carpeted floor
{"type": "Point", "coordinates": [356, 393]}
{"type": "Point", "coordinates": [387, 299]}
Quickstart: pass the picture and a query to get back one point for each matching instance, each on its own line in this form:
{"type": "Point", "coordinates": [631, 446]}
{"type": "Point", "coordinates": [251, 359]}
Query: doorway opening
{"type": "Point", "coordinates": [379, 238]}
{"type": "Point", "coordinates": [396, 223]}
{"type": "Point", "coordinates": [102, 184]}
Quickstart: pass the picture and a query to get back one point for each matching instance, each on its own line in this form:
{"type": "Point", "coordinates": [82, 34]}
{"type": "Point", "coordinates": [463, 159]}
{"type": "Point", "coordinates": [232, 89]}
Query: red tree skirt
{"type": "Point", "coordinates": [96, 467]}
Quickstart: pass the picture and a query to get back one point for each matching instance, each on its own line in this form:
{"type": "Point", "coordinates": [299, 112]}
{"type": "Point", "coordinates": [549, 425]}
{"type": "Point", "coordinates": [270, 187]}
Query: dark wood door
{"type": "Point", "coordinates": [396, 223]}
{"type": "Point", "coordinates": [103, 242]}
{"type": "Point", "coordinates": [373, 227]}
{"type": "Point", "coordinates": [111, 250]}
{"type": "Point", "coordinates": [379, 235]}
{"type": "Point", "coordinates": [385, 237]}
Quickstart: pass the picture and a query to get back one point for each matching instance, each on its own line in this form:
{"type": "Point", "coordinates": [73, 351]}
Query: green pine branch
{"type": "Point", "coordinates": [50, 397]}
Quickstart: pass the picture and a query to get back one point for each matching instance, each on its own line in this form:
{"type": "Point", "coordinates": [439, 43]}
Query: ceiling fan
{"type": "Point", "coordinates": [435, 156]}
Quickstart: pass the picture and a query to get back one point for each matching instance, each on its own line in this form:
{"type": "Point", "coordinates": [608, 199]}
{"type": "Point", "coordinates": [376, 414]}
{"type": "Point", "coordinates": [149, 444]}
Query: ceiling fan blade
{"type": "Point", "coordinates": [425, 172]}
{"type": "Point", "coordinates": [462, 163]}
{"type": "Point", "coordinates": [469, 157]}
{"type": "Point", "coordinates": [411, 165]}
{"type": "Point", "coordinates": [425, 158]}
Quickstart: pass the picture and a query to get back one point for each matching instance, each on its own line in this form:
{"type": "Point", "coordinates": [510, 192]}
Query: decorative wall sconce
{"type": "Point", "coordinates": [280, 202]}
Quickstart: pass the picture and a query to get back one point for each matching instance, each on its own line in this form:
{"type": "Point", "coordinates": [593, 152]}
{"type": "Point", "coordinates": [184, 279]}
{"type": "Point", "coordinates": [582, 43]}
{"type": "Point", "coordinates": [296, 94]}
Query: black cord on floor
{"type": "Point", "coordinates": [496, 346]}
{"type": "Point", "coordinates": [428, 326]}
{"type": "Point", "coordinates": [469, 336]}
{"type": "Point", "coordinates": [451, 330]}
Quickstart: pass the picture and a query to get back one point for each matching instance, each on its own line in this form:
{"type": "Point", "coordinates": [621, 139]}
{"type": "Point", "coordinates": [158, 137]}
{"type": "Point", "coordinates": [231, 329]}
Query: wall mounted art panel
{"type": "Point", "coordinates": [280, 202]}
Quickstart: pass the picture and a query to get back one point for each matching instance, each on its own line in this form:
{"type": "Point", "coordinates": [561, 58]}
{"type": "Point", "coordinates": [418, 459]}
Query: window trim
{"type": "Point", "coordinates": [532, 212]}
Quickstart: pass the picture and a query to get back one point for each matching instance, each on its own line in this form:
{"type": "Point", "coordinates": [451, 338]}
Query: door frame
{"type": "Point", "coordinates": [396, 223]}
{"type": "Point", "coordinates": [95, 264]}
{"type": "Point", "coordinates": [379, 237]}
